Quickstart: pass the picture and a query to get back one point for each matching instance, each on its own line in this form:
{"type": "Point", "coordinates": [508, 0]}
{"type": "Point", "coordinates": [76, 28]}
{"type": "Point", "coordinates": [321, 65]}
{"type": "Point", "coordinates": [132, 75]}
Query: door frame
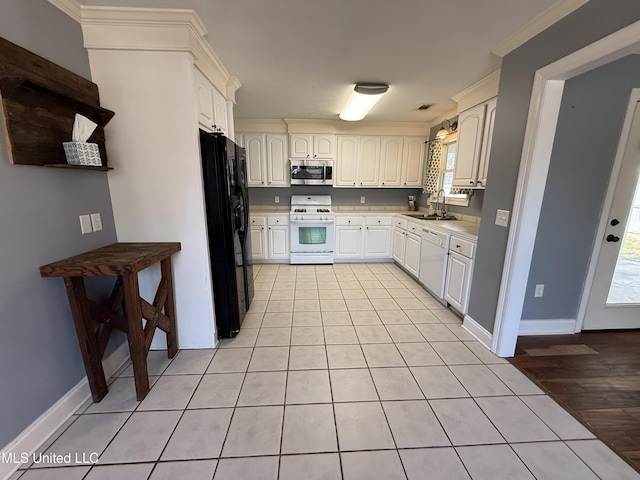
{"type": "Point", "coordinates": [603, 223]}
{"type": "Point", "coordinates": [544, 109]}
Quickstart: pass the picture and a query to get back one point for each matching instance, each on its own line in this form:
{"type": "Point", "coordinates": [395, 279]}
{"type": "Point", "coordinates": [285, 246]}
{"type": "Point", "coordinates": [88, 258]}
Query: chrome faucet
{"type": "Point", "coordinates": [441, 207]}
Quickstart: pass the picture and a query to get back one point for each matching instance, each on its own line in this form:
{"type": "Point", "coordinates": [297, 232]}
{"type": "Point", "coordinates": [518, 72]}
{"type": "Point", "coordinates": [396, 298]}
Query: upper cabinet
{"type": "Point", "coordinates": [413, 161]}
{"type": "Point", "coordinates": [312, 145]}
{"type": "Point", "coordinates": [379, 161]}
{"type": "Point", "coordinates": [391, 150]}
{"type": "Point", "coordinates": [267, 159]}
{"type": "Point", "coordinates": [475, 132]}
{"type": "Point", "coordinates": [212, 106]}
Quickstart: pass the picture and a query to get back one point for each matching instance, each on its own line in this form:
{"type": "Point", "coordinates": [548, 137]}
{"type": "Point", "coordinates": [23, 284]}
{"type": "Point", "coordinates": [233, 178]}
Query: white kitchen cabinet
{"type": "Point", "coordinates": [379, 161]}
{"type": "Point", "coordinates": [406, 245]}
{"type": "Point", "coordinates": [278, 237]}
{"type": "Point", "coordinates": [487, 139]}
{"type": "Point", "coordinates": [258, 232]}
{"type": "Point", "coordinates": [413, 161]}
{"type": "Point", "coordinates": [212, 106]}
{"type": "Point", "coordinates": [459, 270]}
{"type": "Point", "coordinates": [368, 161]}
{"type": "Point", "coordinates": [391, 160]}
{"type": "Point", "coordinates": [349, 236]}
{"type": "Point", "coordinates": [378, 237]}
{"type": "Point", "coordinates": [277, 158]}
{"type": "Point", "coordinates": [256, 161]}
{"type": "Point", "coordinates": [314, 146]}
{"type": "Point", "coordinates": [267, 159]}
{"type": "Point", "coordinates": [346, 161]}
{"type": "Point", "coordinates": [269, 237]}
{"type": "Point", "coordinates": [412, 254]}
{"type": "Point", "coordinates": [475, 131]}
{"type": "Point", "coordinates": [399, 244]}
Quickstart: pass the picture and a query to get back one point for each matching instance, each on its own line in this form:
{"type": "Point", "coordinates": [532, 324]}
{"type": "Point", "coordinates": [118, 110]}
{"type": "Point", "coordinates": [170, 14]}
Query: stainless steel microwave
{"type": "Point", "coordinates": [311, 172]}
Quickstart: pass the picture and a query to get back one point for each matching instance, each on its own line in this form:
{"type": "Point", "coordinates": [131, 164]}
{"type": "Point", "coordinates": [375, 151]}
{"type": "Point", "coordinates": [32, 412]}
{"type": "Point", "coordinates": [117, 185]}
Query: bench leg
{"type": "Point", "coordinates": [91, 355]}
{"type": "Point", "coordinates": [136, 339]}
{"type": "Point", "coordinates": [170, 308]}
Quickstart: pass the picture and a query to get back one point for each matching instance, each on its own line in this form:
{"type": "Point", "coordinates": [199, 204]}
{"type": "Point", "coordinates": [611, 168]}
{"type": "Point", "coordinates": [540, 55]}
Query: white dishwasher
{"type": "Point", "coordinates": [433, 261]}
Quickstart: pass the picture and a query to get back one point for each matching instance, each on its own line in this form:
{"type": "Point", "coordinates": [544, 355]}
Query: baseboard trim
{"type": "Point", "coordinates": [478, 331]}
{"type": "Point", "coordinates": [46, 424]}
{"type": "Point", "coordinates": [557, 326]}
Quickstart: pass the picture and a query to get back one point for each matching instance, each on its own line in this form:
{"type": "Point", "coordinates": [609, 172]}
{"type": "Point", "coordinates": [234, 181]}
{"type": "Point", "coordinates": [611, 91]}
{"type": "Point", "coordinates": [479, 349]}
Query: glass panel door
{"type": "Point", "coordinates": [625, 285]}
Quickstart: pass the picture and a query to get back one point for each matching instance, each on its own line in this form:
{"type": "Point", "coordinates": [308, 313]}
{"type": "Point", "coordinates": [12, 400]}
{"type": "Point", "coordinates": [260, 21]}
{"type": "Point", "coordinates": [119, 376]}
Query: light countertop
{"type": "Point", "coordinates": [466, 226]}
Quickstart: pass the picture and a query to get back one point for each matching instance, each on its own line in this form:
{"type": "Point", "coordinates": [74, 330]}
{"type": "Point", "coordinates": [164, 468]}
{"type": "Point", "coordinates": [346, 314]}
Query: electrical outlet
{"type": "Point", "coordinates": [96, 222]}
{"type": "Point", "coordinates": [539, 290]}
{"type": "Point", "coordinates": [502, 218]}
{"type": "Point", "coordinates": [85, 224]}
{"type": "Point", "coordinates": [277, 199]}
{"type": "Point", "coordinates": [361, 199]}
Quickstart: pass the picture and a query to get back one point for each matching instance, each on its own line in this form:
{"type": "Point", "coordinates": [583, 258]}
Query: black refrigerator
{"type": "Point", "coordinates": [224, 168]}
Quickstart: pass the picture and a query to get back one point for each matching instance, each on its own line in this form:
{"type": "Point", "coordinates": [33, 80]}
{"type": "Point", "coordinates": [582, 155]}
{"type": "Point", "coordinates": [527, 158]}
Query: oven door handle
{"type": "Point", "coordinates": [310, 222]}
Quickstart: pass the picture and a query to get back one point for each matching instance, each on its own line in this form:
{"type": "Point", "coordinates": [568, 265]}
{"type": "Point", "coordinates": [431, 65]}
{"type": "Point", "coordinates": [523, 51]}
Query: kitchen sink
{"type": "Point", "coordinates": [425, 216]}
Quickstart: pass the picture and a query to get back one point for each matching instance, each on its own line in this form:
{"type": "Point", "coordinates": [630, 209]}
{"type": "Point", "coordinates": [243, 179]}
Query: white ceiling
{"type": "Point", "coordinates": [300, 58]}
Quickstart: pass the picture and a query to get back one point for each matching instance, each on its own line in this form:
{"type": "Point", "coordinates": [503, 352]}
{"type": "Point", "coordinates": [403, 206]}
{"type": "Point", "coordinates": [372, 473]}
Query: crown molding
{"type": "Point", "coordinates": [151, 29]}
{"type": "Point", "coordinates": [479, 92]}
{"type": "Point", "coordinates": [70, 7]}
{"type": "Point", "coordinates": [544, 20]}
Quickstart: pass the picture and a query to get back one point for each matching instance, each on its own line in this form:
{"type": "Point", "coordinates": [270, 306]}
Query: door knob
{"type": "Point", "coordinates": [612, 238]}
{"type": "Point", "coordinates": [614, 222]}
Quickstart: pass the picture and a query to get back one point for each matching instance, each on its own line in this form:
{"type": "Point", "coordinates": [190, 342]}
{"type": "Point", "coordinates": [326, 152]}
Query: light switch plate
{"type": "Point", "coordinates": [361, 199]}
{"type": "Point", "coordinates": [277, 199]}
{"type": "Point", "coordinates": [96, 222]}
{"type": "Point", "coordinates": [85, 224]}
{"type": "Point", "coordinates": [502, 218]}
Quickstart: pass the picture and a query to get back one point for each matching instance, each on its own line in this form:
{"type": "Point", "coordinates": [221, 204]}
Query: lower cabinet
{"type": "Point", "coordinates": [349, 237]}
{"type": "Point", "coordinates": [377, 237]}
{"type": "Point", "coordinates": [406, 245]}
{"type": "Point", "coordinates": [412, 254]}
{"type": "Point", "coordinates": [258, 230]}
{"type": "Point", "coordinates": [270, 237]}
{"type": "Point", "coordinates": [459, 270]}
{"type": "Point", "coordinates": [363, 237]}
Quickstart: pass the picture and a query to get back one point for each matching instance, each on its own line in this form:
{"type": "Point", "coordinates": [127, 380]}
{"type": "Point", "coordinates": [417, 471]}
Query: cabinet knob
{"type": "Point", "coordinates": [349, 221]}
{"type": "Point", "coordinates": [457, 246]}
{"type": "Point", "coordinates": [354, 183]}
{"type": "Point", "coordinates": [378, 221]}
{"type": "Point", "coordinates": [269, 228]}
{"type": "Point", "coordinates": [479, 182]}
{"type": "Point", "coordinates": [471, 182]}
{"type": "Point", "coordinates": [383, 183]}
{"type": "Point", "coordinates": [314, 156]}
{"type": "Point", "coordinates": [360, 228]}
{"type": "Point", "coordinates": [405, 183]}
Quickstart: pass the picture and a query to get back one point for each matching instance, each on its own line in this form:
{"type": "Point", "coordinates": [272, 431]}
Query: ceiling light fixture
{"type": "Point", "coordinates": [362, 99]}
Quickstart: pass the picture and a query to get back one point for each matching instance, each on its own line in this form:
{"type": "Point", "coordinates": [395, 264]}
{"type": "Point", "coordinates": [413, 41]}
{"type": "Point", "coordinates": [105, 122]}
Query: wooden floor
{"type": "Point", "coordinates": [594, 375]}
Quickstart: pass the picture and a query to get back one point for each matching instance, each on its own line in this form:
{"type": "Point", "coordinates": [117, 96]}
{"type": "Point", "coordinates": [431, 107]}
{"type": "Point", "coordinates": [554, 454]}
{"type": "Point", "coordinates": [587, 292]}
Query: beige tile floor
{"type": "Point", "coordinates": [343, 371]}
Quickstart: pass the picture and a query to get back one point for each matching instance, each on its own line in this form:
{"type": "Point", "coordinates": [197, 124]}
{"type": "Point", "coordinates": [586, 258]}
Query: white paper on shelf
{"type": "Point", "coordinates": [82, 128]}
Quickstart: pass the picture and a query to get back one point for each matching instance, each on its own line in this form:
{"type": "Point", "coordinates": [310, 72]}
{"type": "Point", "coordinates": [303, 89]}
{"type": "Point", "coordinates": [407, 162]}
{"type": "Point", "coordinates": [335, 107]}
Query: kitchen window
{"type": "Point", "coordinates": [447, 167]}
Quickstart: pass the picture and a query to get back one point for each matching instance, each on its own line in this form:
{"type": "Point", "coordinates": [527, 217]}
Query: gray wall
{"type": "Point", "coordinates": [591, 116]}
{"type": "Point", "coordinates": [589, 23]}
{"type": "Point", "coordinates": [339, 196]}
{"type": "Point", "coordinates": [39, 210]}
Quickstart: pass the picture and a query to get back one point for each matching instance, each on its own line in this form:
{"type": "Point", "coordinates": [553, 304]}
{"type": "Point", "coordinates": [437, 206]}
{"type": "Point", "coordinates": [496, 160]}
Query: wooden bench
{"type": "Point", "coordinates": [124, 310]}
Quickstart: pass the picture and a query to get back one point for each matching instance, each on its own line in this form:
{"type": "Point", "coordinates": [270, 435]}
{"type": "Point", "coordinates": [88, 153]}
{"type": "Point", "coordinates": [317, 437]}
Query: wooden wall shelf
{"type": "Point", "coordinates": [78, 167]}
{"type": "Point", "coordinates": [38, 103]}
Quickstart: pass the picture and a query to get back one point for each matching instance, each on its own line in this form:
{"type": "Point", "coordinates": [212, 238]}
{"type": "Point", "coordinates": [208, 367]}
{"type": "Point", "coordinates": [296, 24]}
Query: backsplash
{"type": "Point", "coordinates": [374, 197]}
